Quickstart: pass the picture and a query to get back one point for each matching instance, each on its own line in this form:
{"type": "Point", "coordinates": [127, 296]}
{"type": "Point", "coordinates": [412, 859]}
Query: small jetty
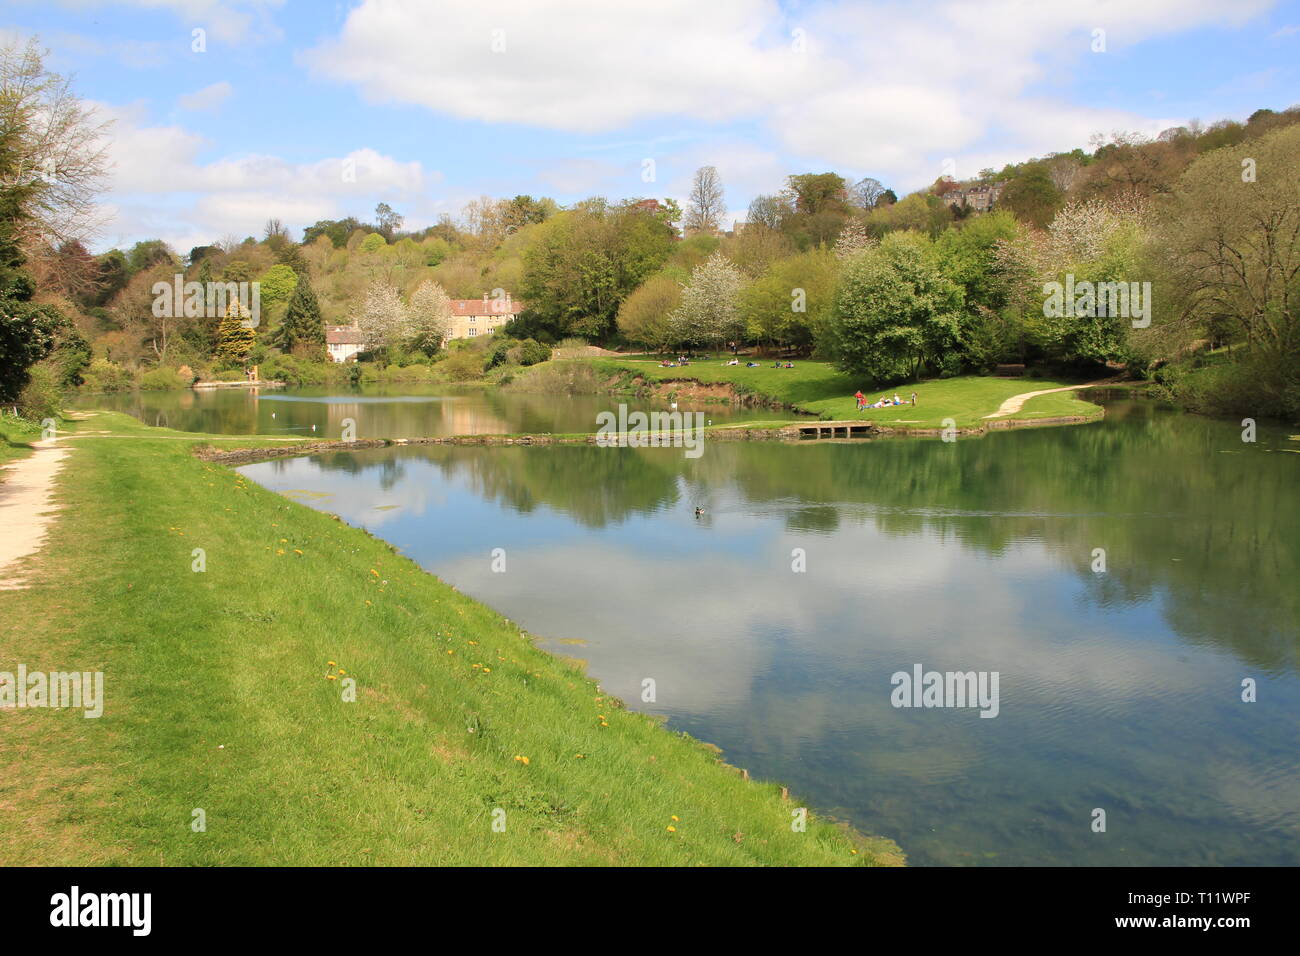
{"type": "Point", "coordinates": [850, 429]}
{"type": "Point", "coordinates": [241, 384]}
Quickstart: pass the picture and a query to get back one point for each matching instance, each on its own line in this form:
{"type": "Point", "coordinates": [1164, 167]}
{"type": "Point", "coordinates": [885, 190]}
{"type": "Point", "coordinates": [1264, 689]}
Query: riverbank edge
{"type": "Point", "coordinates": [873, 850]}
{"type": "Point", "coordinates": [792, 432]}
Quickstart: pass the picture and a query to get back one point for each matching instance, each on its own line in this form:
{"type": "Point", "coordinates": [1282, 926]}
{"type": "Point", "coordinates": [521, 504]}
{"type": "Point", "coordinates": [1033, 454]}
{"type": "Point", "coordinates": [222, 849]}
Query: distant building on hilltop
{"type": "Point", "coordinates": [979, 197]}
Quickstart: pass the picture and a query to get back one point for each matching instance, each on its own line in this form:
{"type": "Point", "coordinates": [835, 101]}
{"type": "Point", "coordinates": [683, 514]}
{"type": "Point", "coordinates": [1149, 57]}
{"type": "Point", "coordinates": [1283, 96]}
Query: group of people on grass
{"type": "Point", "coordinates": [756, 365]}
{"type": "Point", "coordinates": [682, 361]}
{"type": "Point", "coordinates": [884, 401]}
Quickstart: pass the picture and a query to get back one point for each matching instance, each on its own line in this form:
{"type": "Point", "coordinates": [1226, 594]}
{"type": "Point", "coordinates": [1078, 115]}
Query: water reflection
{"type": "Point", "coordinates": [1118, 690]}
{"type": "Point", "coordinates": [405, 411]}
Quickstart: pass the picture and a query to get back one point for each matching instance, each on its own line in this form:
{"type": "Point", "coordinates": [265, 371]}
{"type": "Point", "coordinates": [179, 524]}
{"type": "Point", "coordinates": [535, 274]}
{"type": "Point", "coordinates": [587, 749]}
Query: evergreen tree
{"type": "Point", "coordinates": [234, 338]}
{"type": "Point", "coordinates": [302, 320]}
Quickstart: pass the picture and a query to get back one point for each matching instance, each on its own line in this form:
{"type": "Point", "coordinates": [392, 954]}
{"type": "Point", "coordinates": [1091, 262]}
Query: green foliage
{"type": "Point", "coordinates": [41, 397]}
{"type": "Point", "coordinates": [234, 340]}
{"type": "Point", "coordinates": [277, 284]}
{"type": "Point", "coordinates": [373, 243]}
{"type": "Point", "coordinates": [161, 379]}
{"type": "Point", "coordinates": [896, 314]}
{"type": "Point", "coordinates": [302, 323]}
{"type": "Point", "coordinates": [586, 261]}
{"type": "Point", "coordinates": [532, 352]}
{"type": "Point", "coordinates": [105, 376]}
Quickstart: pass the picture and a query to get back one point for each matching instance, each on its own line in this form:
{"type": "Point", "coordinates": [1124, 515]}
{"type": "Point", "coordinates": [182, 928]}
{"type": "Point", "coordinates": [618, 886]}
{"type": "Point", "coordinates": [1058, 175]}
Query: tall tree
{"type": "Point", "coordinates": [302, 319]}
{"type": "Point", "coordinates": [705, 207]}
{"type": "Point", "coordinates": [429, 317]}
{"type": "Point", "coordinates": [709, 313]}
{"type": "Point", "coordinates": [896, 314]}
{"type": "Point", "coordinates": [388, 220]}
{"type": "Point", "coordinates": [235, 339]}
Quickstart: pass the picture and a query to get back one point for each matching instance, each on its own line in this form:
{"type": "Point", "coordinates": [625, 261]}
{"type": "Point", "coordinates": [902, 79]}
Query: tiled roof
{"type": "Point", "coordinates": [490, 307]}
{"type": "Point", "coordinates": [343, 335]}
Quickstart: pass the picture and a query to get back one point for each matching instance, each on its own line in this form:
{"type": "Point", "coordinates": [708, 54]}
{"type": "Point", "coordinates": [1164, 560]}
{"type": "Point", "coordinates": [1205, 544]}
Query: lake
{"type": "Point", "coordinates": [1118, 689]}
{"type": "Point", "coordinates": [380, 411]}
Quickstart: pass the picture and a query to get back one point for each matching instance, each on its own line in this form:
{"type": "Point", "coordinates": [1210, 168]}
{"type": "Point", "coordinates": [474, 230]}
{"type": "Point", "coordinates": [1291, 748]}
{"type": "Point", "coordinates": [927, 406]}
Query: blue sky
{"type": "Point", "coordinates": [431, 104]}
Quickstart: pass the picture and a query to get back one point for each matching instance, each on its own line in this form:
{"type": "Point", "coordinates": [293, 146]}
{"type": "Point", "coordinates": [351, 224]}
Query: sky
{"type": "Point", "coordinates": [225, 113]}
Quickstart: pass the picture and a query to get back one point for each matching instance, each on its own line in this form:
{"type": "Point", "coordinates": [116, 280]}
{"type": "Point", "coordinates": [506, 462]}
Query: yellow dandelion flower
{"type": "Point", "coordinates": [296, 551]}
{"type": "Point", "coordinates": [330, 677]}
{"type": "Point", "coordinates": [342, 671]}
{"type": "Point", "coordinates": [331, 664]}
{"type": "Point", "coordinates": [676, 819]}
{"type": "Point", "coordinates": [672, 829]}
{"type": "Point", "coordinates": [487, 670]}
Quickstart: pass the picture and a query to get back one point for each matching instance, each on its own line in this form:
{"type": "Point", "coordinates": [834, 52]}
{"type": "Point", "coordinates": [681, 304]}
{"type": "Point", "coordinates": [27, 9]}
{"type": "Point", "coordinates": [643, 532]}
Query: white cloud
{"type": "Point", "coordinates": [208, 98]}
{"type": "Point", "coordinates": [883, 88]}
{"type": "Point", "coordinates": [158, 172]}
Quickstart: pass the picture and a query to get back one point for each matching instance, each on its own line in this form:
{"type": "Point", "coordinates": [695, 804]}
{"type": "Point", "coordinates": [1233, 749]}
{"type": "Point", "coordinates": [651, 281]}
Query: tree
{"type": "Point", "coordinates": [1232, 241]}
{"type": "Point", "coordinates": [705, 207]}
{"type": "Point", "coordinates": [645, 315]}
{"type": "Point", "coordinates": [1032, 196]}
{"type": "Point", "coordinates": [235, 339]}
{"type": "Point", "coordinates": [771, 211]}
{"type": "Point", "coordinates": [57, 153]}
{"type": "Point", "coordinates": [384, 321]}
{"type": "Point", "coordinates": [585, 261]}
{"type": "Point", "coordinates": [819, 192]}
{"type": "Point", "coordinates": [277, 284]}
{"type": "Point", "coordinates": [791, 303]}
{"type": "Point", "coordinates": [302, 319]}
{"type": "Point", "coordinates": [866, 193]}
{"type": "Point", "coordinates": [429, 316]}
{"type": "Point", "coordinates": [709, 313]}
{"type": "Point", "coordinates": [387, 219]}
{"type": "Point", "coordinates": [896, 314]}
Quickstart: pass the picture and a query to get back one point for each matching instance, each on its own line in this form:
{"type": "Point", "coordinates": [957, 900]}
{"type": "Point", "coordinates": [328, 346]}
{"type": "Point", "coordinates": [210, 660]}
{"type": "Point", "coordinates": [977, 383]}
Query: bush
{"type": "Point", "coordinates": [106, 376]}
{"type": "Point", "coordinates": [462, 365]}
{"type": "Point", "coordinates": [161, 379]}
{"type": "Point", "coordinates": [41, 397]}
{"type": "Point", "coordinates": [1254, 384]}
{"type": "Point", "coordinates": [532, 352]}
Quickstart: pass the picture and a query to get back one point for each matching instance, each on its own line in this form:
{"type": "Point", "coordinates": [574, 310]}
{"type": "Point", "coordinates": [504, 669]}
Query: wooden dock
{"type": "Point", "coordinates": [850, 429]}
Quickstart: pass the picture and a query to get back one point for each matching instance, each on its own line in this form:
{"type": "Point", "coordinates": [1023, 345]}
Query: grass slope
{"type": "Point", "coordinates": [821, 389]}
{"type": "Point", "coordinates": [217, 699]}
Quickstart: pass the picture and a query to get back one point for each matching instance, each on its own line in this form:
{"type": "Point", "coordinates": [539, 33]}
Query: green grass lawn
{"type": "Point", "coordinates": [218, 699]}
{"type": "Point", "coordinates": [820, 389]}
{"type": "Point", "coordinates": [16, 436]}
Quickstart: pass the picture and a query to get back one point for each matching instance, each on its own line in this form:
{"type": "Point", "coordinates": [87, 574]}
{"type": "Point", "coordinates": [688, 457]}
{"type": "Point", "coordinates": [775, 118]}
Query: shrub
{"type": "Point", "coordinates": [106, 376]}
{"type": "Point", "coordinates": [532, 352]}
{"type": "Point", "coordinates": [160, 379]}
{"type": "Point", "coordinates": [40, 397]}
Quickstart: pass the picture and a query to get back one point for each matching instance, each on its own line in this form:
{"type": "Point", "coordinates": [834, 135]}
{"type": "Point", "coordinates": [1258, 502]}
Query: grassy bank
{"type": "Point", "coordinates": [16, 436]}
{"type": "Point", "coordinates": [218, 699]}
{"type": "Point", "coordinates": [818, 388]}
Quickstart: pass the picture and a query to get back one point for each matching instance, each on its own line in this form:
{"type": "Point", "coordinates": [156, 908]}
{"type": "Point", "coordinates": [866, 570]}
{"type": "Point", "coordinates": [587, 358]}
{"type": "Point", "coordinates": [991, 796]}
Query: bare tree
{"type": "Point", "coordinates": [706, 208]}
{"type": "Point", "coordinates": [59, 148]}
{"type": "Point", "coordinates": [866, 192]}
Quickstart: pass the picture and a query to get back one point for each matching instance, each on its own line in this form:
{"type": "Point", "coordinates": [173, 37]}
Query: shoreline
{"type": "Point", "coordinates": [461, 707]}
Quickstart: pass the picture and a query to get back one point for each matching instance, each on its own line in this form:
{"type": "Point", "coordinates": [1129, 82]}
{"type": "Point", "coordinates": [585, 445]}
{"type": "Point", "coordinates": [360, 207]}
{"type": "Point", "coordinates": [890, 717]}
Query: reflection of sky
{"type": "Point", "coordinates": [789, 673]}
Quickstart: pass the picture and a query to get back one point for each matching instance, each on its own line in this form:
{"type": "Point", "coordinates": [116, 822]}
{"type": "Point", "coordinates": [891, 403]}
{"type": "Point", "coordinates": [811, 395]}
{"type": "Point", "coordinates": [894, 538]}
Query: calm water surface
{"type": "Point", "coordinates": [396, 411]}
{"type": "Point", "coordinates": [1119, 691]}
